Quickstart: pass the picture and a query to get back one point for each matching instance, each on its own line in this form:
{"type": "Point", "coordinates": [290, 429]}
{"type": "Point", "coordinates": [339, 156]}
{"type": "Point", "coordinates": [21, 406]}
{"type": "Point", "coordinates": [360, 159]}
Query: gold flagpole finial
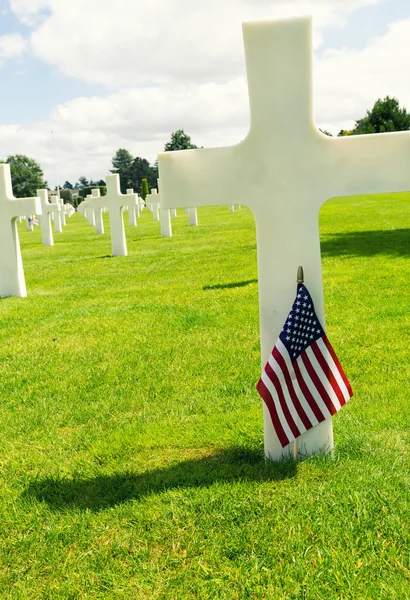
{"type": "Point", "coordinates": [301, 277]}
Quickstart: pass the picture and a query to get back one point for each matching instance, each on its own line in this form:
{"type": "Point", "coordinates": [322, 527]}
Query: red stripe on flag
{"type": "Point", "coordinates": [317, 383]}
{"type": "Point", "coordinates": [270, 404]}
{"type": "Point", "coordinates": [338, 365]}
{"type": "Point", "coordinates": [306, 392]}
{"type": "Point", "coordinates": [299, 408]}
{"type": "Point", "coordinates": [327, 370]}
{"type": "Point", "coordinates": [285, 408]}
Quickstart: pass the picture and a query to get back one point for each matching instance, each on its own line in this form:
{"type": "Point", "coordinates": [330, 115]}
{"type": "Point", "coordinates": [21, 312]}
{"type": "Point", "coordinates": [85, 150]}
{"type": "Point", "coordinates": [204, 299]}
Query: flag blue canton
{"type": "Point", "coordinates": [302, 326]}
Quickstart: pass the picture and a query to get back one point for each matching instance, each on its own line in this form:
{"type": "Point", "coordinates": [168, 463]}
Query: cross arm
{"type": "Point", "coordinates": [24, 206]}
{"type": "Point", "coordinates": [368, 164]}
{"type": "Point", "coordinates": [95, 202]}
{"type": "Point", "coordinates": [202, 177]}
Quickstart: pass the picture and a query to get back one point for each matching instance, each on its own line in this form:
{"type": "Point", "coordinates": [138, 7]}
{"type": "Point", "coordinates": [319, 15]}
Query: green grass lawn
{"type": "Point", "coordinates": [131, 433]}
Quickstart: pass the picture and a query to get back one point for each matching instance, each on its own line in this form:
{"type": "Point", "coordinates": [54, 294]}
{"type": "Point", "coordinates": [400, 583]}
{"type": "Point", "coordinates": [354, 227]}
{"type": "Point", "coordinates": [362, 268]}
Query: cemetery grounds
{"type": "Point", "coordinates": [132, 441]}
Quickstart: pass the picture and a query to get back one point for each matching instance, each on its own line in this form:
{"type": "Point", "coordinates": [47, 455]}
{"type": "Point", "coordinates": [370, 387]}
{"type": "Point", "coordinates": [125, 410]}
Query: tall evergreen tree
{"type": "Point", "coordinates": [82, 182]}
{"type": "Point", "coordinates": [121, 164]}
{"type": "Point", "coordinates": [141, 169]}
{"type": "Point", "coordinates": [144, 189]}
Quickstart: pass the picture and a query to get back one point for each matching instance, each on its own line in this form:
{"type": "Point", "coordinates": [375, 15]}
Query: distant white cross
{"type": "Point", "coordinates": [133, 211]}
{"type": "Point", "coordinates": [96, 207]}
{"type": "Point", "coordinates": [115, 201]}
{"type": "Point", "coordinates": [45, 217]}
{"type": "Point", "coordinates": [152, 201]}
{"type": "Point", "coordinates": [63, 211]}
{"type": "Point", "coordinates": [163, 215]}
{"type": "Point", "coordinates": [58, 216]}
{"type": "Point", "coordinates": [12, 281]}
{"type": "Point", "coordinates": [284, 171]}
{"type": "Point", "coordinates": [89, 210]}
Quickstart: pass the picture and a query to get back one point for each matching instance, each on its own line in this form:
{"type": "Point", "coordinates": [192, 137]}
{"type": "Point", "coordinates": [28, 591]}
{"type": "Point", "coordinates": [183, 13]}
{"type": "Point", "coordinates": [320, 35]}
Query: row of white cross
{"type": "Point", "coordinates": [94, 205]}
{"type": "Point", "coordinates": [284, 171]}
{"type": "Point", "coordinates": [12, 281]}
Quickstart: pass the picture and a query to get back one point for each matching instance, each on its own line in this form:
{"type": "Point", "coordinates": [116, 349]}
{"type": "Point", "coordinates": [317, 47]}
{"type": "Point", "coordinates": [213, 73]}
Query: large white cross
{"type": "Point", "coordinates": [12, 281]}
{"type": "Point", "coordinates": [47, 208]}
{"type": "Point", "coordinates": [284, 170]}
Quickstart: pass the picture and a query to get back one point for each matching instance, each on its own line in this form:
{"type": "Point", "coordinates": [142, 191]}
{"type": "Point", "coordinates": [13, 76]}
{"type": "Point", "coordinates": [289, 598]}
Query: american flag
{"type": "Point", "coordinates": [303, 382]}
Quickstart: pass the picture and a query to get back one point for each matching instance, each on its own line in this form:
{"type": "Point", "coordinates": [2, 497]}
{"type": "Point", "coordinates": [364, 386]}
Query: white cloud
{"type": "Point", "coordinates": [349, 81]}
{"type": "Point", "coordinates": [31, 12]}
{"type": "Point", "coordinates": [11, 46]}
{"type": "Point", "coordinates": [131, 42]}
{"type": "Point", "coordinates": [195, 71]}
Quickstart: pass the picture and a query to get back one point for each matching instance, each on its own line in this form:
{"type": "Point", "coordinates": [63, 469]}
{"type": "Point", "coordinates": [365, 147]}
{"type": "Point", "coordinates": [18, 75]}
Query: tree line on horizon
{"type": "Point", "coordinates": [137, 173]}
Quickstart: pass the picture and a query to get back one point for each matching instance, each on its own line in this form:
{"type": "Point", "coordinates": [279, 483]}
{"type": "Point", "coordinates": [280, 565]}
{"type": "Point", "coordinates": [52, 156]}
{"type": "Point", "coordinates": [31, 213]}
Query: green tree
{"type": "Point", "coordinates": [68, 186]}
{"type": "Point", "coordinates": [345, 132]}
{"type": "Point", "coordinates": [26, 175]}
{"type": "Point", "coordinates": [141, 169]}
{"type": "Point", "coordinates": [121, 164]}
{"type": "Point", "coordinates": [85, 191]}
{"type": "Point", "coordinates": [67, 196]}
{"type": "Point", "coordinates": [325, 132]}
{"type": "Point", "coordinates": [386, 115]}
{"type": "Point", "coordinates": [82, 182]}
{"type": "Point", "coordinates": [179, 141]}
{"type": "Point", "coordinates": [144, 189]}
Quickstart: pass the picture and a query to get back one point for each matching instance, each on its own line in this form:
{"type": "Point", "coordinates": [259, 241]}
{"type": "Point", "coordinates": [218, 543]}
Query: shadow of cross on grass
{"type": "Point", "coordinates": [104, 491]}
{"type": "Point", "coordinates": [392, 242]}
{"type": "Point", "coordinates": [235, 284]}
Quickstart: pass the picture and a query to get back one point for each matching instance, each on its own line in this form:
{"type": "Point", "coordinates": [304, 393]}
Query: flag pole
{"type": "Point", "coordinates": [300, 279]}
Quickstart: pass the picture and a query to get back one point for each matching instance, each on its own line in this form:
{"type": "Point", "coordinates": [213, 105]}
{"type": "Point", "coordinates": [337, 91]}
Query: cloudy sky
{"type": "Point", "coordinates": [104, 75]}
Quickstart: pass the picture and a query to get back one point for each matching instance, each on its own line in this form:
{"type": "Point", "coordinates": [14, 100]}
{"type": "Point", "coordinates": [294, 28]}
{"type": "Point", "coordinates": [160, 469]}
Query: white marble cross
{"type": "Point", "coordinates": [47, 208]}
{"type": "Point", "coordinates": [58, 217]}
{"type": "Point", "coordinates": [63, 211]}
{"type": "Point", "coordinates": [164, 217]}
{"type": "Point", "coordinates": [133, 210]}
{"type": "Point", "coordinates": [152, 201]}
{"type": "Point", "coordinates": [89, 210]}
{"type": "Point", "coordinates": [12, 281]}
{"type": "Point", "coordinates": [193, 216]}
{"type": "Point", "coordinates": [115, 201]}
{"type": "Point", "coordinates": [97, 210]}
{"type": "Point", "coordinates": [284, 171]}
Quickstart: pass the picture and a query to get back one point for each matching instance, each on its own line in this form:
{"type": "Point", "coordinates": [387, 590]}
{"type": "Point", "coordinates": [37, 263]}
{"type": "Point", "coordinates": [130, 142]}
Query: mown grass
{"type": "Point", "coordinates": [131, 433]}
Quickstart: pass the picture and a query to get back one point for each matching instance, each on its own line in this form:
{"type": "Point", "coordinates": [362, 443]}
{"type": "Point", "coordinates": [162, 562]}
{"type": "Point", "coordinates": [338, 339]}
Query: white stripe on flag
{"type": "Point", "coordinates": [325, 382]}
{"type": "Point", "coordinates": [281, 416]}
{"type": "Point", "coordinates": [312, 389]}
{"type": "Point", "coordinates": [304, 403]}
{"type": "Point", "coordinates": [329, 359]}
